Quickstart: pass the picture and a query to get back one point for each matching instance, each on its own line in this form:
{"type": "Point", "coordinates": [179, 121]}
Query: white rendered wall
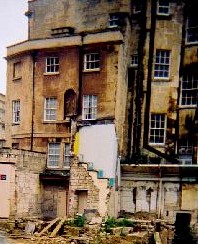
{"type": "Point", "coordinates": [98, 144]}
{"type": "Point", "coordinates": [7, 177]}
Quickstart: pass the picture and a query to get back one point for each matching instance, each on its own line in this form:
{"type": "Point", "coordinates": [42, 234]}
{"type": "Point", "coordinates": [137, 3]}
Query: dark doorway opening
{"type": "Point", "coordinates": [183, 233]}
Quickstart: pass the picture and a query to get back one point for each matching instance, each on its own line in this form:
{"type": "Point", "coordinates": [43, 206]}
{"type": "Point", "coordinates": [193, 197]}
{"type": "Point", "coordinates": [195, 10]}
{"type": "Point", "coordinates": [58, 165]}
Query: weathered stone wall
{"type": "Point", "coordinates": [162, 197]}
{"type": "Point", "coordinates": [81, 15]}
{"type": "Point", "coordinates": [122, 91]}
{"type": "Point", "coordinates": [81, 180]}
{"type": "Point", "coordinates": [100, 196]}
{"type": "Point", "coordinates": [25, 190]}
{"type": "Point", "coordinates": [19, 88]}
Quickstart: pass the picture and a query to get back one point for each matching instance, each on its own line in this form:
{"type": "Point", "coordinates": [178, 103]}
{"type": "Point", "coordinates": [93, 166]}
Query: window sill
{"type": "Point", "coordinates": [15, 124]}
{"type": "Point", "coordinates": [66, 167]}
{"type": "Point", "coordinates": [49, 122]}
{"type": "Point", "coordinates": [157, 144]}
{"type": "Point", "coordinates": [53, 167]}
{"type": "Point", "coordinates": [91, 70]}
{"type": "Point", "coordinates": [164, 16]}
{"type": "Point", "coordinates": [133, 66]}
{"type": "Point", "coordinates": [112, 26]}
{"type": "Point", "coordinates": [57, 121]}
{"type": "Point", "coordinates": [161, 79]}
{"type": "Point", "coordinates": [17, 78]}
{"type": "Point", "coordinates": [187, 106]}
{"type": "Point", "coordinates": [54, 73]}
{"type": "Point", "coordinates": [136, 12]}
{"type": "Point", "coordinates": [88, 120]}
{"type": "Point", "coordinates": [58, 168]}
{"type": "Point", "coordinates": [189, 44]}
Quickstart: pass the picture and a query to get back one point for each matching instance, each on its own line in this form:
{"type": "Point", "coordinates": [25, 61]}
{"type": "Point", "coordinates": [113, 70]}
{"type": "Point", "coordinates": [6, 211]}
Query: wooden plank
{"type": "Point", "coordinates": [55, 231]}
{"type": "Point", "coordinates": [48, 226]}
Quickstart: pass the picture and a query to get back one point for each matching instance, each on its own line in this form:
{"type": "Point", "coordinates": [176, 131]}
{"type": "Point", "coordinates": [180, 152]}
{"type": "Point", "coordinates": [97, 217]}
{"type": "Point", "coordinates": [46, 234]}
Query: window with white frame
{"type": "Point", "coordinates": [53, 155]}
{"type": "Point", "coordinates": [134, 60]}
{"type": "Point", "coordinates": [157, 129]}
{"type": "Point", "coordinates": [162, 64]}
{"type": "Point", "coordinates": [192, 29]}
{"type": "Point", "coordinates": [67, 155]}
{"type": "Point", "coordinates": [189, 89]}
{"type": "Point", "coordinates": [113, 20]}
{"type": "Point", "coordinates": [52, 65]}
{"type": "Point", "coordinates": [16, 111]}
{"type": "Point", "coordinates": [89, 107]}
{"type": "Point", "coordinates": [50, 109]}
{"type": "Point", "coordinates": [163, 7]}
{"type": "Point", "coordinates": [91, 61]}
{"type": "Point", "coordinates": [185, 147]}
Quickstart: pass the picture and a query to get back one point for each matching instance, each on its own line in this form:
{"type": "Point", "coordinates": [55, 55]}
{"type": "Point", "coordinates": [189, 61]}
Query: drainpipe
{"type": "Point", "coordinates": [34, 55]}
{"type": "Point", "coordinates": [150, 70]}
{"type": "Point", "coordinates": [139, 83]}
{"type": "Point", "coordinates": [181, 66]}
{"type": "Point", "coordinates": [79, 109]}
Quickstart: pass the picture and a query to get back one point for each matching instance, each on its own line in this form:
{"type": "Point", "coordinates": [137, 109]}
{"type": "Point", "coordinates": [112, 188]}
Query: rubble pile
{"type": "Point", "coordinates": [62, 230]}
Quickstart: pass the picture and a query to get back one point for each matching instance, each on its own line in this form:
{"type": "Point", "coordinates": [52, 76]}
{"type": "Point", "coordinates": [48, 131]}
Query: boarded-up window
{"type": "Point", "coordinates": [69, 103]}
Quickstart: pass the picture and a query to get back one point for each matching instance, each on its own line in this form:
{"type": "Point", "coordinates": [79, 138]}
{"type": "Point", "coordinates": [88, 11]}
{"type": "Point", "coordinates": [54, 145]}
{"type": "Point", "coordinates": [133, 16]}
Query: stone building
{"type": "Point", "coordinates": [2, 119]}
{"type": "Point", "coordinates": [20, 186]}
{"type": "Point", "coordinates": [106, 81]}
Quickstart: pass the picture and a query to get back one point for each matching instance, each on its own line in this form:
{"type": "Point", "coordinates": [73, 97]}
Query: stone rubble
{"type": "Point", "coordinates": [91, 233]}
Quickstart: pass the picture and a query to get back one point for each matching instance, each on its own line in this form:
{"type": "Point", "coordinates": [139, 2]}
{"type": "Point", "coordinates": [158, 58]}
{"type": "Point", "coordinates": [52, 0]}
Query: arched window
{"type": "Point", "coordinates": [69, 103]}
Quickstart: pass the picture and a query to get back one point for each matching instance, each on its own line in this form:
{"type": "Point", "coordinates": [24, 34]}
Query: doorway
{"type": "Point", "coordinates": [82, 200]}
{"type": "Point", "coordinates": [62, 203]}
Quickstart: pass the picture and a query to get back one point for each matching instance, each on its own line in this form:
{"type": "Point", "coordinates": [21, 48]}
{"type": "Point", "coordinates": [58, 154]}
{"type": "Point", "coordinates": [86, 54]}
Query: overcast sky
{"type": "Point", "coordinates": [13, 26]}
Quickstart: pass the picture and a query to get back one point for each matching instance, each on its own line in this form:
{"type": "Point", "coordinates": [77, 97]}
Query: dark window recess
{"type": "Point", "coordinates": [134, 195]}
{"type": "Point", "coordinates": [15, 145]}
{"type": "Point", "coordinates": [117, 19]}
{"type": "Point", "coordinates": [192, 24]}
{"type": "Point", "coordinates": [69, 103]}
{"type": "Point", "coordinates": [62, 31]}
{"type": "Point", "coordinates": [137, 6]}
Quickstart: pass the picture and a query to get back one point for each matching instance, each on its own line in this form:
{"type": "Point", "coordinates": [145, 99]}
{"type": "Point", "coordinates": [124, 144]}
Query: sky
{"type": "Point", "coordinates": [13, 26]}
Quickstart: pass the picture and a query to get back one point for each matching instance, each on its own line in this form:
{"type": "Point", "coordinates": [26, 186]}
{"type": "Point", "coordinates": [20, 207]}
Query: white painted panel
{"type": "Point", "coordinates": [171, 198]}
{"type": "Point", "coordinates": [153, 201]}
{"type": "Point", "coordinates": [5, 189]}
{"type": "Point", "coordinates": [98, 144]}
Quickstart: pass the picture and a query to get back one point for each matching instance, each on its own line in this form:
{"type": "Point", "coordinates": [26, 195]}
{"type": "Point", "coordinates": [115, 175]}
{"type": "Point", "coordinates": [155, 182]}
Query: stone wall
{"type": "Point", "coordinates": [163, 195]}
{"type": "Point", "coordinates": [81, 180]}
{"type": "Point", "coordinates": [25, 190]}
{"type": "Point", "coordinates": [81, 15]}
{"type": "Point", "coordinates": [97, 189]}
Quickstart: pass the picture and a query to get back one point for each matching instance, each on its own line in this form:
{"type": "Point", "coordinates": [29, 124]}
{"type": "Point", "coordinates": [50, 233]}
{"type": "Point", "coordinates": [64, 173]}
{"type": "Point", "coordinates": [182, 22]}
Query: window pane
{"type": "Point", "coordinates": [91, 61]}
{"type": "Point", "coordinates": [50, 108]}
{"type": "Point", "coordinates": [89, 107]}
{"type": "Point", "coordinates": [189, 90]}
{"type": "Point", "coordinates": [162, 61]}
{"type": "Point", "coordinates": [53, 154]}
{"type": "Point", "coordinates": [157, 128]}
{"type": "Point", "coordinates": [52, 64]}
{"type": "Point", "coordinates": [16, 111]}
{"type": "Point", "coordinates": [67, 157]}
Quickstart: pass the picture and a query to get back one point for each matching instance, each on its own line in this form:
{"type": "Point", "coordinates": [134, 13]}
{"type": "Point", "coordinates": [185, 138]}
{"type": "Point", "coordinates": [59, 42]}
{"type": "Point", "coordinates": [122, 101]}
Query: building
{"type": "Point", "coordinates": [107, 81]}
{"type": "Point", "coordinates": [2, 119]}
